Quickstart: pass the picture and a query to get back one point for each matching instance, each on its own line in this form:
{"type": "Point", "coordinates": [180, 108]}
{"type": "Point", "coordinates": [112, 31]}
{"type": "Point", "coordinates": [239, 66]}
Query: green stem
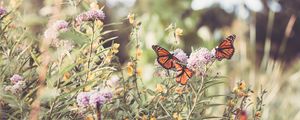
{"type": "Point", "coordinates": [135, 61]}
{"type": "Point", "coordinates": [165, 109]}
{"type": "Point", "coordinates": [91, 49]}
{"type": "Point", "coordinates": [51, 108]}
{"type": "Point", "coordinates": [199, 93]}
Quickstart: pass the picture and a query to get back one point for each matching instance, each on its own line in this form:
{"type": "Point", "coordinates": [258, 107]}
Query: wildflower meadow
{"type": "Point", "coordinates": [149, 60]}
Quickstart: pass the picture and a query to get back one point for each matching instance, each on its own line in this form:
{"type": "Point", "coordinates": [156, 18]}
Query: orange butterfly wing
{"type": "Point", "coordinates": [164, 57]}
{"type": "Point", "coordinates": [167, 64]}
{"type": "Point", "coordinates": [225, 48]}
{"type": "Point", "coordinates": [183, 73]}
{"type": "Point", "coordinates": [160, 51]}
{"type": "Point", "coordinates": [168, 61]}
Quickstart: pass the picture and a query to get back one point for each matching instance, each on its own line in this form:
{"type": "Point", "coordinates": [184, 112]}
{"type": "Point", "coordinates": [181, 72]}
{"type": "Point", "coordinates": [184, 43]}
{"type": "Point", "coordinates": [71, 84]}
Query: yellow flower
{"type": "Point", "coordinates": [130, 69]}
{"type": "Point", "coordinates": [115, 47]}
{"type": "Point", "coordinates": [87, 88]}
{"type": "Point", "coordinates": [160, 88]}
{"type": "Point", "coordinates": [139, 71]}
{"type": "Point", "coordinates": [178, 32]}
{"type": "Point", "coordinates": [114, 50]}
{"type": "Point", "coordinates": [258, 114]}
{"type": "Point", "coordinates": [94, 6]}
{"type": "Point", "coordinates": [131, 18]}
{"type": "Point", "coordinates": [242, 85]}
{"type": "Point", "coordinates": [91, 76]}
{"type": "Point", "coordinates": [139, 53]}
{"type": "Point", "coordinates": [177, 116]}
{"type": "Point", "coordinates": [231, 103]}
{"type": "Point", "coordinates": [67, 76]}
{"type": "Point", "coordinates": [152, 117]}
{"type": "Point", "coordinates": [179, 90]}
{"type": "Point", "coordinates": [144, 117]}
{"type": "Point", "coordinates": [89, 117]}
{"type": "Point", "coordinates": [236, 90]}
{"type": "Point", "coordinates": [98, 24]}
{"type": "Point", "coordinates": [108, 58]}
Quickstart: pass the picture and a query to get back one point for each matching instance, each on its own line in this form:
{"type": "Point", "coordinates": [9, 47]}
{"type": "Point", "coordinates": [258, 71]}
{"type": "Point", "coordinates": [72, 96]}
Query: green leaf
{"type": "Point", "coordinates": [67, 68]}
{"type": "Point", "coordinates": [151, 92]}
{"type": "Point", "coordinates": [108, 40]}
{"type": "Point", "coordinates": [214, 105]}
{"type": "Point", "coordinates": [77, 89]}
{"type": "Point", "coordinates": [213, 96]}
{"type": "Point", "coordinates": [215, 117]}
{"type": "Point", "coordinates": [212, 84]}
{"type": "Point", "coordinates": [34, 58]}
{"type": "Point", "coordinates": [73, 35]}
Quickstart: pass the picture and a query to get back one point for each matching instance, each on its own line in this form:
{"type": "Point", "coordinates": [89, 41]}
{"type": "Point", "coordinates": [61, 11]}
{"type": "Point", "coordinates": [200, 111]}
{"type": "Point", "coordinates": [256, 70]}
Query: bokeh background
{"type": "Point", "coordinates": [267, 45]}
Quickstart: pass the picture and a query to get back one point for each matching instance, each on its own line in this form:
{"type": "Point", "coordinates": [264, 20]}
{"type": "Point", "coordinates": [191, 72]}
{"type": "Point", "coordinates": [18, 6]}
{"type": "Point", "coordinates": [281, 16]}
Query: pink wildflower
{"type": "Point", "coordinates": [181, 55]}
{"type": "Point", "coordinates": [91, 15]}
{"type": "Point", "coordinates": [199, 59]}
{"type": "Point", "coordinates": [2, 11]}
{"type": "Point", "coordinates": [60, 25]}
{"type": "Point", "coordinates": [83, 99]}
{"type": "Point", "coordinates": [97, 99]}
{"type": "Point", "coordinates": [16, 78]}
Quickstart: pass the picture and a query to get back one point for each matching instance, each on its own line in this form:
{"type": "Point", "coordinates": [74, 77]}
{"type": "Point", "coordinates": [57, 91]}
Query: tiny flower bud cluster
{"type": "Point", "coordinates": [18, 84]}
{"type": "Point", "coordinates": [94, 98]}
{"type": "Point", "coordinates": [91, 15]}
{"type": "Point", "coordinates": [2, 11]}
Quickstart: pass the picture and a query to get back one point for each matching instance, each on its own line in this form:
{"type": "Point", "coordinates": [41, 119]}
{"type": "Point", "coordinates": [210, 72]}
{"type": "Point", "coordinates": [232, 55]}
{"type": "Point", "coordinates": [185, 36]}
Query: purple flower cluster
{"type": "Point", "coordinates": [50, 34]}
{"type": "Point", "coordinates": [53, 31]}
{"type": "Point", "coordinates": [107, 94]}
{"type": "Point", "coordinates": [60, 25]}
{"type": "Point", "coordinates": [91, 15]}
{"type": "Point", "coordinates": [97, 99]}
{"type": "Point", "coordinates": [83, 99]}
{"type": "Point", "coordinates": [2, 11]}
{"type": "Point", "coordinates": [18, 84]}
{"type": "Point", "coordinates": [94, 98]}
{"type": "Point", "coordinates": [199, 59]}
{"type": "Point", "coordinates": [178, 53]}
{"type": "Point", "coordinates": [16, 78]}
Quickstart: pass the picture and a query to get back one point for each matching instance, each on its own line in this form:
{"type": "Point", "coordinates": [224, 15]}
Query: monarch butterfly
{"type": "Point", "coordinates": [225, 48]}
{"type": "Point", "coordinates": [183, 73]}
{"type": "Point", "coordinates": [164, 57]}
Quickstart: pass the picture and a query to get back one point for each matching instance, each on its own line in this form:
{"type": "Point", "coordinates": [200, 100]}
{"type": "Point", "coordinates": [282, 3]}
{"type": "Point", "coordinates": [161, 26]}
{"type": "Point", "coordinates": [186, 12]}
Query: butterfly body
{"type": "Point", "coordinates": [225, 49]}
